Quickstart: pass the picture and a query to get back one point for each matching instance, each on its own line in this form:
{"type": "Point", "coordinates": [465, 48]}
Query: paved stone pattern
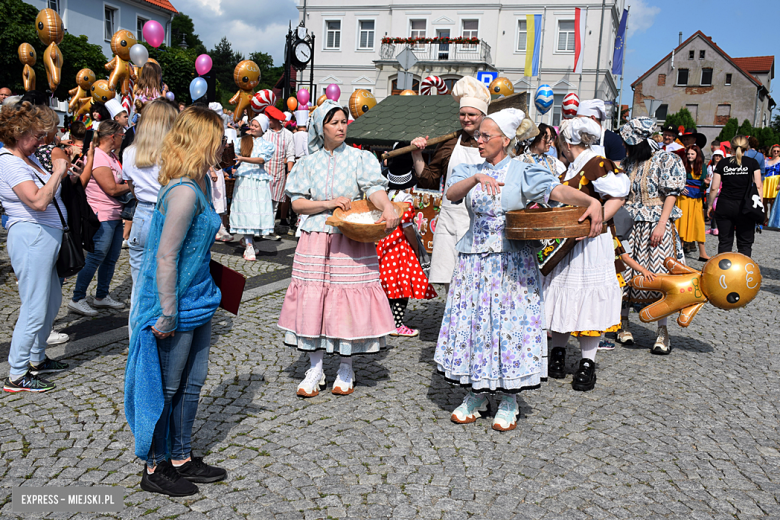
{"type": "Point", "coordinates": [689, 435]}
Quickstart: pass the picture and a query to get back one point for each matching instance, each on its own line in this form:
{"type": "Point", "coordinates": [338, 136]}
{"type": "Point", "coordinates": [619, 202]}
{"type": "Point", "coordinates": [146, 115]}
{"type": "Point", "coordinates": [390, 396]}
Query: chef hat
{"type": "Point", "coordinates": [263, 120]}
{"type": "Point", "coordinates": [592, 107]}
{"type": "Point", "coordinates": [216, 107]}
{"type": "Point", "coordinates": [114, 107]}
{"type": "Point", "coordinates": [287, 115]}
{"type": "Point", "coordinates": [508, 120]}
{"type": "Point", "coordinates": [302, 118]}
{"type": "Point", "coordinates": [471, 92]}
{"type": "Point", "coordinates": [574, 129]}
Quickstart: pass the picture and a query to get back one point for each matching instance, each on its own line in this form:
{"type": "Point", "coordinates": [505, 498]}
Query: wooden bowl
{"type": "Point", "coordinates": [369, 233]}
{"type": "Point", "coordinates": [547, 223]}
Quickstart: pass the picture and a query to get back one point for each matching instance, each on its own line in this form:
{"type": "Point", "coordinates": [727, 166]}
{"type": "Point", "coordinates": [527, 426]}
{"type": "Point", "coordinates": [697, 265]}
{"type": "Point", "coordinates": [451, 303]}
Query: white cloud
{"type": "Point", "coordinates": [641, 16]}
{"type": "Point", "coordinates": [248, 26]}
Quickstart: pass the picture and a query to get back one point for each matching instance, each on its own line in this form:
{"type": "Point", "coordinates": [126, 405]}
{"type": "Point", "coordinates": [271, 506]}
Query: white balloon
{"type": "Point", "coordinates": [139, 55]}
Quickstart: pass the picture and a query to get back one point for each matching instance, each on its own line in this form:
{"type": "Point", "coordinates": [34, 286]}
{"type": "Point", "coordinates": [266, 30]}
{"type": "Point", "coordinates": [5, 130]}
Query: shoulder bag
{"type": "Point", "coordinates": [753, 204]}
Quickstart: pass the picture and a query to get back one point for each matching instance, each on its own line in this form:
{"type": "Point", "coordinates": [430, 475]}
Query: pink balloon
{"type": "Point", "coordinates": [203, 64]}
{"type": "Point", "coordinates": [154, 34]}
{"type": "Point", "coordinates": [303, 96]}
{"type": "Point", "coordinates": [333, 92]}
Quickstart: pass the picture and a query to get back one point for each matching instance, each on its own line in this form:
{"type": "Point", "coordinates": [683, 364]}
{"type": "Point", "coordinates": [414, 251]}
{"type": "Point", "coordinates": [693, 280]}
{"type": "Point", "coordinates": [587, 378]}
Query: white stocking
{"type": "Point", "coordinates": [315, 358]}
{"type": "Point", "coordinates": [589, 345]}
{"type": "Point", "coordinates": [346, 360]}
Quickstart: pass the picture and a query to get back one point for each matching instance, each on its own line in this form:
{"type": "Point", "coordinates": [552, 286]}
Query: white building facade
{"type": "Point", "coordinates": [354, 45]}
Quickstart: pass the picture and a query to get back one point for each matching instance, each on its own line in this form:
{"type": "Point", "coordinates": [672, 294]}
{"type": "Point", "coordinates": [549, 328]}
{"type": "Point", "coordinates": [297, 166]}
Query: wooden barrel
{"type": "Point", "coordinates": [547, 223]}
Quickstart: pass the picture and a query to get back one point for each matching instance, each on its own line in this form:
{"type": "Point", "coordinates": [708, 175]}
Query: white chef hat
{"type": "Point", "coordinates": [302, 118]}
{"type": "Point", "coordinates": [508, 120]}
{"type": "Point", "coordinates": [470, 92]}
{"type": "Point", "coordinates": [287, 115]}
{"type": "Point", "coordinates": [592, 107]}
{"type": "Point", "coordinates": [573, 129]}
{"type": "Point", "coordinates": [114, 107]}
{"type": "Point", "coordinates": [263, 120]}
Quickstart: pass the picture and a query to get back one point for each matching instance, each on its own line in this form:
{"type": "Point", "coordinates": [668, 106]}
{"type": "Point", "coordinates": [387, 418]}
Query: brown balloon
{"type": "Point", "coordinates": [81, 96]}
{"type": "Point", "coordinates": [728, 281]}
{"type": "Point", "coordinates": [51, 30]}
{"type": "Point", "coordinates": [102, 91]}
{"type": "Point", "coordinates": [407, 92]}
{"type": "Point", "coordinates": [321, 99]}
{"type": "Point", "coordinates": [121, 70]}
{"type": "Point", "coordinates": [501, 87]}
{"type": "Point", "coordinates": [28, 57]}
{"type": "Point", "coordinates": [360, 102]}
{"type": "Point", "coordinates": [247, 76]}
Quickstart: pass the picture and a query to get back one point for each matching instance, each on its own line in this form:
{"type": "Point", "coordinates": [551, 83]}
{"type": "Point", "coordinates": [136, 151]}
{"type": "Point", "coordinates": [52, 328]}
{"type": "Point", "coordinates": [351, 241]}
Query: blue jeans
{"type": "Point", "coordinates": [108, 246]}
{"type": "Point", "coordinates": [33, 249]}
{"type": "Point", "coordinates": [137, 241]}
{"type": "Point", "coordinates": [184, 363]}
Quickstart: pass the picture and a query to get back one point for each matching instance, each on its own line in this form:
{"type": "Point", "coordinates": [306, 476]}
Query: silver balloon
{"type": "Point", "coordinates": [139, 55]}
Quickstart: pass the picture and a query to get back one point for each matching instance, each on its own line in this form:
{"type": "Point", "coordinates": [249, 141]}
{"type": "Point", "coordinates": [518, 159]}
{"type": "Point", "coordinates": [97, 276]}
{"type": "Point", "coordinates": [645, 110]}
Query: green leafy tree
{"type": "Point", "coordinates": [682, 118]}
{"type": "Point", "coordinates": [269, 75]}
{"type": "Point", "coordinates": [745, 128]}
{"type": "Point", "coordinates": [178, 67]}
{"type": "Point", "coordinates": [224, 60]}
{"type": "Point", "coordinates": [182, 27]}
{"type": "Point", "coordinates": [729, 130]}
{"type": "Point", "coordinates": [775, 124]}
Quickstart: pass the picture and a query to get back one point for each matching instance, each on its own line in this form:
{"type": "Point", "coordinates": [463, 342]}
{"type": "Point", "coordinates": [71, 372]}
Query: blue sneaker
{"type": "Point", "coordinates": [605, 344]}
{"type": "Point", "coordinates": [472, 408]}
{"type": "Point", "coordinates": [506, 417]}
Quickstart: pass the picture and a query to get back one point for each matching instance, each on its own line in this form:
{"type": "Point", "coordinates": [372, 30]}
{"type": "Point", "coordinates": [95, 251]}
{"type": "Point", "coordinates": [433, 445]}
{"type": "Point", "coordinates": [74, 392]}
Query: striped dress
{"type": "Point", "coordinates": [277, 166]}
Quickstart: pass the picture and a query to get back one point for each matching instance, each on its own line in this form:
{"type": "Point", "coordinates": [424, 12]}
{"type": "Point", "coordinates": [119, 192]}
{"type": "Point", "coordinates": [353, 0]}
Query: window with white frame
{"type": "Point", "coordinates": [522, 34]}
{"type": "Point", "coordinates": [557, 110]}
{"type": "Point", "coordinates": [470, 29]}
{"type": "Point", "coordinates": [417, 29]}
{"type": "Point", "coordinates": [565, 36]}
{"type": "Point", "coordinates": [333, 34]}
{"type": "Point", "coordinates": [366, 34]}
{"type": "Point", "coordinates": [139, 29]}
{"type": "Point", "coordinates": [361, 87]}
{"type": "Point", "coordinates": [110, 23]}
{"type": "Point", "coordinates": [54, 5]}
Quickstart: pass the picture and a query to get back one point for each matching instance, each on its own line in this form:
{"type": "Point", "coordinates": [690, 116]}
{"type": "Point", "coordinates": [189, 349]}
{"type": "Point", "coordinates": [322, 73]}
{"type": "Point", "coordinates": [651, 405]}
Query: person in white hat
{"type": "Point", "coordinates": [118, 112]}
{"type": "Point", "coordinates": [474, 98]}
{"type": "Point", "coordinates": [610, 145]}
{"type": "Point", "coordinates": [492, 336]}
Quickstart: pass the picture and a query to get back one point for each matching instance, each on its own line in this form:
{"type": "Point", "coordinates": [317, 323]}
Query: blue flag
{"type": "Point", "coordinates": [620, 45]}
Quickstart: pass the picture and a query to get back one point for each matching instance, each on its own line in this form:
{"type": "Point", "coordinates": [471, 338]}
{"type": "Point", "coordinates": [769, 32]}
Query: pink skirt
{"type": "Point", "coordinates": [335, 301]}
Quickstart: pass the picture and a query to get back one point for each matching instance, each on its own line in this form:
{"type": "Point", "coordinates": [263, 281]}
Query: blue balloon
{"type": "Point", "coordinates": [544, 99]}
{"type": "Point", "coordinates": [198, 88]}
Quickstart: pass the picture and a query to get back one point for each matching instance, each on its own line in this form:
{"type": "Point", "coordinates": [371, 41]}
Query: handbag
{"type": "Point", "coordinates": [129, 203]}
{"type": "Point", "coordinates": [753, 204]}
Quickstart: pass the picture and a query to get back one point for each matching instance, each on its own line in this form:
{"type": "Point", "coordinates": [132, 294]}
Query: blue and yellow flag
{"type": "Point", "coordinates": [533, 44]}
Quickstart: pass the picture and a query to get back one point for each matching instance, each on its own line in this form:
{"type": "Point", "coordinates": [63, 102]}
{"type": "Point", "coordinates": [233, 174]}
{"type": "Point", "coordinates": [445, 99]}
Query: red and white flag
{"type": "Point", "coordinates": [579, 38]}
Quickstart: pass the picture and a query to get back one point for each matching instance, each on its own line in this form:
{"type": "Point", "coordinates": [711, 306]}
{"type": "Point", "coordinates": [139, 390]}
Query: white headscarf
{"type": "Point", "coordinates": [573, 129]}
{"type": "Point", "coordinates": [470, 92]}
{"type": "Point", "coordinates": [592, 107]}
{"type": "Point", "coordinates": [263, 120]}
{"type": "Point", "coordinates": [508, 120]}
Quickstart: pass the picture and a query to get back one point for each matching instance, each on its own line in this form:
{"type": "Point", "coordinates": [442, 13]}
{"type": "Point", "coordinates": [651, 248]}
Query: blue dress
{"type": "Point", "coordinates": [252, 210]}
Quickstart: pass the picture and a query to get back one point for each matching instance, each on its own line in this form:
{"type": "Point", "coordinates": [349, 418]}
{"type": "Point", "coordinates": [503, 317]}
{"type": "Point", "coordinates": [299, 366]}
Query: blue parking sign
{"type": "Point", "coordinates": [487, 77]}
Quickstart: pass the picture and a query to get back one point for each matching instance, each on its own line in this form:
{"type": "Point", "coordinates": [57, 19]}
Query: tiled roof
{"type": "Point", "coordinates": [756, 64]}
{"type": "Point", "coordinates": [402, 118]}
{"type": "Point", "coordinates": [163, 4]}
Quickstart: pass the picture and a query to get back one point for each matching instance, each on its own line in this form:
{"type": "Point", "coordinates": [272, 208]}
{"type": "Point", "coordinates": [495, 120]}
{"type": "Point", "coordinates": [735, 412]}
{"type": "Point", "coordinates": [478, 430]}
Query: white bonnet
{"type": "Point", "coordinates": [592, 107]}
{"type": "Point", "coordinates": [573, 129]}
{"type": "Point", "coordinates": [263, 120]}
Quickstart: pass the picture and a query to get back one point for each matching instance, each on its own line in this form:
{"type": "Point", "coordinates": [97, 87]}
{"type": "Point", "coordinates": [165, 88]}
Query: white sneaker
{"type": "Point", "coordinates": [57, 338]}
{"type": "Point", "coordinates": [249, 253]}
{"type": "Point", "coordinates": [345, 381]}
{"type": "Point", "coordinates": [82, 307]}
{"type": "Point", "coordinates": [662, 343]}
{"type": "Point", "coordinates": [125, 244]}
{"type": "Point", "coordinates": [271, 237]}
{"type": "Point", "coordinates": [108, 302]}
{"type": "Point", "coordinates": [312, 383]}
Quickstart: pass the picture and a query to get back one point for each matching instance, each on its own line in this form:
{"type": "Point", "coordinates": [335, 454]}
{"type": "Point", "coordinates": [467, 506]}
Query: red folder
{"type": "Point", "coordinates": [231, 283]}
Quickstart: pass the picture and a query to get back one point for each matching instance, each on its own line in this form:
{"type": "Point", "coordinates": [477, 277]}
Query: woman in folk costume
{"type": "Point", "coordinates": [453, 222]}
{"type": "Point", "coordinates": [691, 202]}
{"type": "Point", "coordinates": [335, 302]}
{"type": "Point", "coordinates": [582, 293]}
{"type": "Point", "coordinates": [657, 178]}
{"type": "Point", "coordinates": [492, 337]}
{"type": "Point", "coordinates": [535, 150]}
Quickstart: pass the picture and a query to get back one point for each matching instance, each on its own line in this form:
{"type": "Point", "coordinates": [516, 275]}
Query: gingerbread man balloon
{"type": "Point", "coordinates": [728, 281]}
{"type": "Point", "coordinates": [51, 31]}
{"type": "Point", "coordinates": [247, 76]}
{"type": "Point", "coordinates": [102, 91]}
{"type": "Point", "coordinates": [28, 57]}
{"type": "Point", "coordinates": [121, 70]}
{"type": "Point", "coordinates": [81, 96]}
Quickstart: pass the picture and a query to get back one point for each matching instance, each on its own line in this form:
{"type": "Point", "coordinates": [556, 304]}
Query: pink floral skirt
{"type": "Point", "coordinates": [335, 301]}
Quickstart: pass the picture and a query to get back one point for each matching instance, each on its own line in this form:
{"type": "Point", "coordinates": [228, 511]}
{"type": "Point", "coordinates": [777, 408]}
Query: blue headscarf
{"type": "Point", "coordinates": [316, 140]}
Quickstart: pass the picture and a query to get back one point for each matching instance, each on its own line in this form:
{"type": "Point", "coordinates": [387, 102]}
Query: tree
{"type": "Point", "coordinates": [775, 124]}
{"type": "Point", "coordinates": [745, 128]}
{"type": "Point", "coordinates": [729, 130]}
{"type": "Point", "coordinates": [224, 60]}
{"type": "Point", "coordinates": [682, 118]}
{"type": "Point", "coordinates": [269, 75]}
{"type": "Point", "coordinates": [183, 27]}
{"type": "Point", "coordinates": [178, 66]}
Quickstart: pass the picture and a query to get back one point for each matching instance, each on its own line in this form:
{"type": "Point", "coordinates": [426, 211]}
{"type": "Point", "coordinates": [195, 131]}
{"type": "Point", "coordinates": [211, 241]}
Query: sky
{"type": "Point", "coordinates": [741, 27]}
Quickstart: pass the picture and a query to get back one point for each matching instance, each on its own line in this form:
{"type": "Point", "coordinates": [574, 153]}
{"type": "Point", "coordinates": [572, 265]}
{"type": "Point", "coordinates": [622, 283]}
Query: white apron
{"type": "Point", "coordinates": [453, 221]}
{"type": "Point", "coordinates": [599, 148]}
{"type": "Point", "coordinates": [219, 193]}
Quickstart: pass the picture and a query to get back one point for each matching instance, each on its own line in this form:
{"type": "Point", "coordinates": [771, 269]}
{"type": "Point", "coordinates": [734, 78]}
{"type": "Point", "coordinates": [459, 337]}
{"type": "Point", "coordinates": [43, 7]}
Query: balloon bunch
{"type": "Point", "coordinates": [302, 114]}
{"type": "Point", "coordinates": [51, 31]}
{"type": "Point", "coordinates": [122, 72]}
{"type": "Point", "coordinates": [81, 97]}
{"type": "Point", "coordinates": [198, 86]}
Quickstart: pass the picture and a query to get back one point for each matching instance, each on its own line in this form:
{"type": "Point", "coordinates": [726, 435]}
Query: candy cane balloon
{"type": "Point", "coordinates": [263, 99]}
{"type": "Point", "coordinates": [570, 105]}
{"type": "Point", "coordinates": [433, 82]}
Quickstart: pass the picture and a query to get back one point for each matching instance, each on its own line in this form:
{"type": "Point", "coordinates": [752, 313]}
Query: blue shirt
{"type": "Point", "coordinates": [759, 157]}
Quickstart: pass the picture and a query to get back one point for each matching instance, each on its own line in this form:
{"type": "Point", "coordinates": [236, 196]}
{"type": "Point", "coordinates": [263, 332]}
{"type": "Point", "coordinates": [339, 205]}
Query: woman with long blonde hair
{"type": "Point", "coordinates": [170, 321]}
{"type": "Point", "coordinates": [733, 175]}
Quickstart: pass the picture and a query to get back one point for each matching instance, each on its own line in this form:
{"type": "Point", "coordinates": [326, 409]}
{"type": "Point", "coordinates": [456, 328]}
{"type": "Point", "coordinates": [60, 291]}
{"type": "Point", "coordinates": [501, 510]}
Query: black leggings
{"type": "Point", "coordinates": [730, 221]}
{"type": "Point", "coordinates": [398, 307]}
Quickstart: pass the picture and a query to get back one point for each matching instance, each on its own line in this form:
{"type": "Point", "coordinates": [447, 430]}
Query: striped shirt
{"type": "Point", "coordinates": [14, 171]}
{"type": "Point", "coordinates": [277, 166]}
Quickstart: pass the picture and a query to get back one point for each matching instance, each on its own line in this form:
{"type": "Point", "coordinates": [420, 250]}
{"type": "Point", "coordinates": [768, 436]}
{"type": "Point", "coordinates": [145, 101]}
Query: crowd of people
{"type": "Point", "coordinates": [156, 180]}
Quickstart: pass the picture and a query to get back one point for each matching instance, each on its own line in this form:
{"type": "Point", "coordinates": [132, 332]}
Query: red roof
{"type": "Point", "coordinates": [163, 4]}
{"type": "Point", "coordinates": [715, 45]}
{"type": "Point", "coordinates": [756, 64]}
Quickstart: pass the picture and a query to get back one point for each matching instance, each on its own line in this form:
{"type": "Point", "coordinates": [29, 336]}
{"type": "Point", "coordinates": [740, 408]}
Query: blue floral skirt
{"type": "Point", "coordinates": [491, 337]}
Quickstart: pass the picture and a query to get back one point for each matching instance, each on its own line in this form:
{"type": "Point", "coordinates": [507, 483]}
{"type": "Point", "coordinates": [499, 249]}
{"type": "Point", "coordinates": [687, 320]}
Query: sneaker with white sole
{"type": "Point", "coordinates": [506, 417]}
{"type": "Point", "coordinates": [47, 366]}
{"type": "Point", "coordinates": [663, 344]}
{"type": "Point", "coordinates": [312, 383]}
{"type": "Point", "coordinates": [406, 332]}
{"type": "Point", "coordinates": [271, 237]}
{"type": "Point", "coordinates": [471, 409]}
{"type": "Point", "coordinates": [345, 380]}
{"type": "Point", "coordinates": [57, 338]}
{"type": "Point", "coordinates": [107, 303]}
{"type": "Point", "coordinates": [82, 307]}
{"type": "Point", "coordinates": [249, 253]}
{"type": "Point", "coordinates": [624, 335]}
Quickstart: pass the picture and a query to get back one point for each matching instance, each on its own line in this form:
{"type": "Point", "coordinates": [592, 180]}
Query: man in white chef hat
{"type": "Point", "coordinates": [610, 145]}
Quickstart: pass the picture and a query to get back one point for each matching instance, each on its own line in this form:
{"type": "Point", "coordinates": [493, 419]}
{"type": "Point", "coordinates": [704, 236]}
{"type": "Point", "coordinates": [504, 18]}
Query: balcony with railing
{"type": "Point", "coordinates": [438, 49]}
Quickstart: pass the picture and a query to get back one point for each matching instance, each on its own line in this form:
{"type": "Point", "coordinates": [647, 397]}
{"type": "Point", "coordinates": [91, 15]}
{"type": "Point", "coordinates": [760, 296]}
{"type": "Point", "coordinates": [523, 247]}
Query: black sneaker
{"type": "Point", "coordinates": [196, 470]}
{"type": "Point", "coordinates": [47, 366]}
{"type": "Point", "coordinates": [28, 383]}
{"type": "Point", "coordinates": [557, 366]}
{"type": "Point", "coordinates": [167, 481]}
{"type": "Point", "coordinates": [585, 377]}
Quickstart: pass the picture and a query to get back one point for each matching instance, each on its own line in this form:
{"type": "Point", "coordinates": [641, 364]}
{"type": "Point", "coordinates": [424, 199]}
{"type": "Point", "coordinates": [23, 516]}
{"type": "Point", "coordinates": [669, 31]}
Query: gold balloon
{"type": "Point", "coordinates": [81, 96]}
{"type": "Point", "coordinates": [408, 92]}
{"type": "Point", "coordinates": [728, 281]}
{"type": "Point", "coordinates": [28, 57]}
{"type": "Point", "coordinates": [360, 102]}
{"type": "Point", "coordinates": [501, 87]}
{"type": "Point", "coordinates": [247, 76]}
{"type": "Point", "coordinates": [121, 70]}
{"type": "Point", "coordinates": [102, 91]}
{"type": "Point", "coordinates": [51, 30]}
{"type": "Point", "coordinates": [321, 99]}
